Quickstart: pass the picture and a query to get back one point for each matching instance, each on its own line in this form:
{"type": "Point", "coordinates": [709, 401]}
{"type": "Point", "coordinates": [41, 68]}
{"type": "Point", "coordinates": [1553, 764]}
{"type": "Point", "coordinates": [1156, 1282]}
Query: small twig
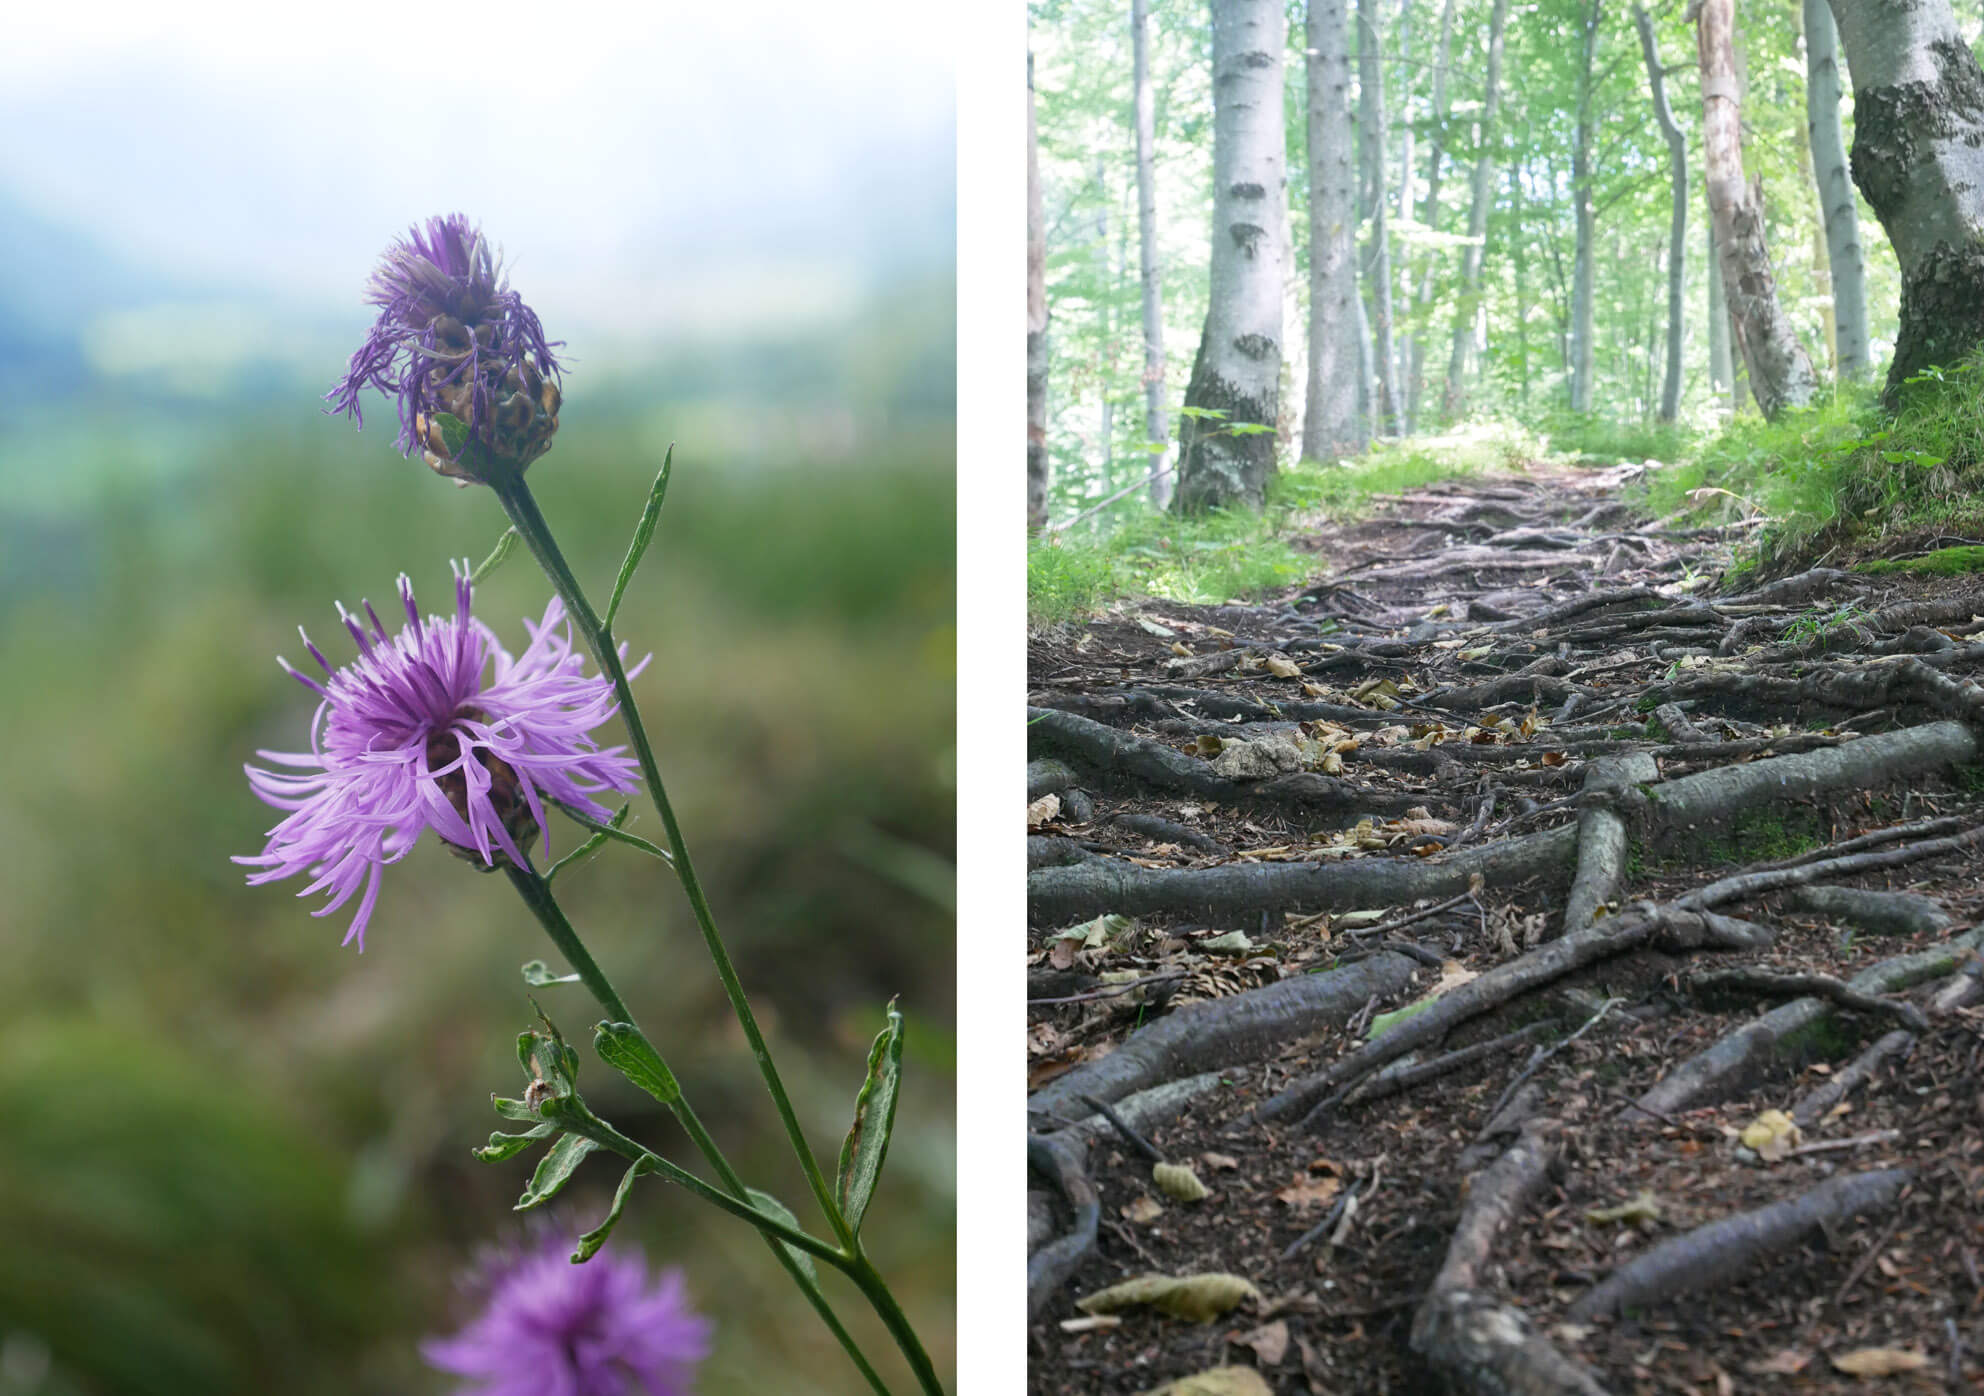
{"type": "Point", "coordinates": [1399, 922]}
{"type": "Point", "coordinates": [1115, 989]}
{"type": "Point", "coordinates": [1545, 1054]}
{"type": "Point", "coordinates": [1818, 985]}
{"type": "Point", "coordinates": [1860, 1268]}
{"type": "Point", "coordinates": [1879, 1136]}
{"type": "Point", "coordinates": [1136, 1140]}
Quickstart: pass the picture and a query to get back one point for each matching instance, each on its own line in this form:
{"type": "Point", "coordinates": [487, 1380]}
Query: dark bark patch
{"type": "Point", "coordinates": [1254, 346]}
{"type": "Point", "coordinates": [1248, 191]}
{"type": "Point", "coordinates": [1247, 236]}
{"type": "Point", "coordinates": [1942, 312]}
{"type": "Point", "coordinates": [1894, 127]}
{"type": "Point", "coordinates": [1258, 59]}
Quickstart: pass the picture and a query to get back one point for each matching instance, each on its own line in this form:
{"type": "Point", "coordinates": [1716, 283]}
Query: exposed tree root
{"type": "Point", "coordinates": [1209, 1036]}
{"type": "Point", "coordinates": [1822, 986]}
{"type": "Point", "coordinates": [1884, 913]}
{"type": "Point", "coordinates": [1812, 1107]}
{"type": "Point", "coordinates": [1602, 837]}
{"type": "Point", "coordinates": [1477, 1343]}
{"type": "Point", "coordinates": [1715, 1254]}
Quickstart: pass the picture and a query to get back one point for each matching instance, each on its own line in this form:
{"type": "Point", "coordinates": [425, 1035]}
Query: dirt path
{"type": "Point", "coordinates": [1654, 860]}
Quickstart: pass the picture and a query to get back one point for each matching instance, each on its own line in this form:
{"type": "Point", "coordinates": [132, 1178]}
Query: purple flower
{"type": "Point", "coordinates": [409, 737]}
{"type": "Point", "coordinates": [552, 1328]}
{"type": "Point", "coordinates": [453, 338]}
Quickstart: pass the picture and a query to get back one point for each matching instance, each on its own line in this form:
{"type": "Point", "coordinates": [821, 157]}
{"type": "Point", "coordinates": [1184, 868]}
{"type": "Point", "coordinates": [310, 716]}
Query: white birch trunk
{"type": "Point", "coordinates": [1331, 425]}
{"type": "Point", "coordinates": [1377, 253]}
{"type": "Point", "coordinates": [1238, 369]}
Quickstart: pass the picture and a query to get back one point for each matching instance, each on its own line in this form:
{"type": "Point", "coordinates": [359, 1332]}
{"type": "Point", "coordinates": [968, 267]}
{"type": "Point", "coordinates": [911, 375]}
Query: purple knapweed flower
{"type": "Point", "coordinates": [548, 1327]}
{"type": "Point", "coordinates": [453, 338]}
{"type": "Point", "coordinates": [409, 737]}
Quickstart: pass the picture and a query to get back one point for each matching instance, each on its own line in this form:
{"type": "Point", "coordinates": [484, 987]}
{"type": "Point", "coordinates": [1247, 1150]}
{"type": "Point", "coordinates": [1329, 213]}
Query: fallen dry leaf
{"type": "Point", "coordinates": [1220, 1381]}
{"type": "Point", "coordinates": [1198, 1298]}
{"type": "Point", "coordinates": [1310, 1192]}
{"type": "Point", "coordinates": [1178, 1182]}
{"type": "Point", "coordinates": [1145, 1210]}
{"type": "Point", "coordinates": [1047, 807]}
{"type": "Point", "coordinates": [1879, 1362]}
{"type": "Point", "coordinates": [1269, 1342]}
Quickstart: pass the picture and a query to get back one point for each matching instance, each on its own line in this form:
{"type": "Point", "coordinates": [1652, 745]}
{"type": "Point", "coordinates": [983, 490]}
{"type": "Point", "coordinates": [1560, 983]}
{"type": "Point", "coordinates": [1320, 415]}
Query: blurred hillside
{"type": "Point", "coordinates": [237, 1156]}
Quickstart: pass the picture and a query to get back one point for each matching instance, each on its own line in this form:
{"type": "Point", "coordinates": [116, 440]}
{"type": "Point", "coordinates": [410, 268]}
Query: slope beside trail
{"type": "Point", "coordinates": [1678, 886]}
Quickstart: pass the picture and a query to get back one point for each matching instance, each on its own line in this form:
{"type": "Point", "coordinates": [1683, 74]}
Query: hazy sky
{"type": "Point", "coordinates": [638, 164]}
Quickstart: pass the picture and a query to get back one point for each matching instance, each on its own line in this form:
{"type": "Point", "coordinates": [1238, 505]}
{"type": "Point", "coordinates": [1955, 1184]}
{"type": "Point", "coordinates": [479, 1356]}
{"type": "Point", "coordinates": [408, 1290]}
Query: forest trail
{"type": "Point", "coordinates": [1506, 704]}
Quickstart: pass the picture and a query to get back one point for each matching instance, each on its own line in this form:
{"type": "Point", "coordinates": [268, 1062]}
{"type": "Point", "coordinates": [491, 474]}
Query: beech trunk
{"type": "Point", "coordinates": [1036, 326]}
{"type": "Point", "coordinates": [1780, 373]}
{"type": "Point", "coordinates": [1156, 429]}
{"type": "Point", "coordinates": [1237, 374]}
{"type": "Point", "coordinates": [1332, 425]}
{"type": "Point", "coordinates": [1480, 198]}
{"type": "Point", "coordinates": [1844, 258]}
{"type": "Point", "coordinates": [1677, 230]}
{"type": "Point", "coordinates": [1918, 156]}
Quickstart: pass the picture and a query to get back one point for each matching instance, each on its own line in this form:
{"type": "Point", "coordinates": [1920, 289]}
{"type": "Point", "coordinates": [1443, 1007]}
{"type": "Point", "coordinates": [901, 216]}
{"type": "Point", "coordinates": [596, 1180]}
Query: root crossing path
{"type": "Point", "coordinates": [1515, 961]}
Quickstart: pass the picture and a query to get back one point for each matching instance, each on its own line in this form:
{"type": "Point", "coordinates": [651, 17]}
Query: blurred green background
{"type": "Point", "coordinates": [234, 1157]}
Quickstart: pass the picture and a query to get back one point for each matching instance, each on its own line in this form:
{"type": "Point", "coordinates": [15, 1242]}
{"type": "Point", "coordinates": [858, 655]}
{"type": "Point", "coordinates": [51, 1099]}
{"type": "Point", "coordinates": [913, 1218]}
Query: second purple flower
{"type": "Point", "coordinates": [411, 735]}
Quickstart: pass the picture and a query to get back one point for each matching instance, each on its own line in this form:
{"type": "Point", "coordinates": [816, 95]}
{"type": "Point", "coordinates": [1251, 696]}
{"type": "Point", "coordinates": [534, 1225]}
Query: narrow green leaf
{"type": "Point", "coordinates": [643, 535]}
{"type": "Point", "coordinates": [778, 1211]}
{"type": "Point", "coordinates": [514, 1110]}
{"type": "Point", "coordinates": [503, 1146]}
{"type": "Point", "coordinates": [554, 1169]}
{"type": "Point", "coordinates": [590, 1243]}
{"type": "Point", "coordinates": [496, 555]}
{"type": "Point", "coordinates": [622, 1047]}
{"type": "Point", "coordinates": [537, 974]}
{"type": "Point", "coordinates": [454, 431]}
{"type": "Point", "coordinates": [606, 831]}
{"type": "Point", "coordinates": [867, 1142]}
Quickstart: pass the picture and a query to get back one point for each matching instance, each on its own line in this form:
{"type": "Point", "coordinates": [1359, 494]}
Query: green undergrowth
{"type": "Point", "coordinates": [1843, 473]}
{"type": "Point", "coordinates": [1943, 562]}
{"type": "Point", "coordinates": [1237, 554]}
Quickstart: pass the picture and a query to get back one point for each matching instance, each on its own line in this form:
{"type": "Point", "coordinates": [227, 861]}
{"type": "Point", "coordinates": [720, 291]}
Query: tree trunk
{"type": "Point", "coordinates": [1378, 254]}
{"type": "Point", "coordinates": [1677, 227]}
{"type": "Point", "coordinates": [1518, 254]}
{"type": "Point", "coordinates": [1780, 374]}
{"type": "Point", "coordinates": [1721, 363]}
{"type": "Point", "coordinates": [1477, 221]}
{"type": "Point", "coordinates": [1332, 425]}
{"type": "Point", "coordinates": [1104, 305]}
{"type": "Point", "coordinates": [1036, 326]}
{"type": "Point", "coordinates": [1583, 346]}
{"type": "Point", "coordinates": [1238, 369]}
{"type": "Point", "coordinates": [1429, 214]}
{"type": "Point", "coordinates": [1918, 156]}
{"type": "Point", "coordinates": [1842, 214]}
{"type": "Point", "coordinates": [1156, 430]}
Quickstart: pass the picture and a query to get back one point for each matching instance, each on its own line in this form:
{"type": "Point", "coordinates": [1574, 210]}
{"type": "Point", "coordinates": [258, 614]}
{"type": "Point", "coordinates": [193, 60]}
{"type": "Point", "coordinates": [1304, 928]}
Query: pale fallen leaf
{"type": "Point", "coordinates": [1642, 1209]}
{"type": "Point", "coordinates": [1772, 1135]}
{"type": "Point", "coordinates": [1308, 1192]}
{"type": "Point", "coordinates": [1091, 1323]}
{"type": "Point", "coordinates": [1145, 1210]}
{"type": "Point", "coordinates": [1046, 808]}
{"type": "Point", "coordinates": [1178, 1182]}
{"type": "Point", "coordinates": [1785, 1362]}
{"type": "Point", "coordinates": [1219, 1163]}
{"type": "Point", "coordinates": [1161, 631]}
{"type": "Point", "coordinates": [1269, 1342]}
{"type": "Point", "coordinates": [1198, 1298]}
{"type": "Point", "coordinates": [1282, 667]}
{"type": "Point", "coordinates": [1220, 1381]}
{"type": "Point", "coordinates": [1879, 1362]}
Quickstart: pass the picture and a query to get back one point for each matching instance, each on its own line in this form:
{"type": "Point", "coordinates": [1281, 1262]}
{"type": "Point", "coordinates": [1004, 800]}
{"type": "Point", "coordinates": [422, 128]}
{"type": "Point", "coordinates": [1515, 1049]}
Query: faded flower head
{"type": "Point", "coordinates": [411, 736]}
{"type": "Point", "coordinates": [548, 1327]}
{"type": "Point", "coordinates": [453, 340]}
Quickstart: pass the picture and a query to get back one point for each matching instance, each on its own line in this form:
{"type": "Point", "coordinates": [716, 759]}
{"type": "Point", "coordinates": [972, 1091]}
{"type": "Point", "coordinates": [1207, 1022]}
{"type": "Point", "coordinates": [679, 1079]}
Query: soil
{"type": "Point", "coordinates": [1431, 696]}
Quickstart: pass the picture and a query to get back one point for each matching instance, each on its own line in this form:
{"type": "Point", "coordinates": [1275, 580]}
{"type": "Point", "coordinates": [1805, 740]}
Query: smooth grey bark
{"type": "Point", "coordinates": [1677, 230]}
{"type": "Point", "coordinates": [1105, 276]}
{"type": "Point", "coordinates": [1469, 301]}
{"type": "Point", "coordinates": [1583, 343]}
{"type": "Point", "coordinates": [1238, 368]}
{"type": "Point", "coordinates": [1721, 369]}
{"type": "Point", "coordinates": [1155, 427]}
{"type": "Point", "coordinates": [1780, 373]}
{"type": "Point", "coordinates": [1429, 215]}
{"type": "Point", "coordinates": [1918, 156]}
{"type": "Point", "coordinates": [1332, 425]}
{"type": "Point", "coordinates": [1844, 258]}
{"type": "Point", "coordinates": [1036, 325]}
{"type": "Point", "coordinates": [1377, 251]}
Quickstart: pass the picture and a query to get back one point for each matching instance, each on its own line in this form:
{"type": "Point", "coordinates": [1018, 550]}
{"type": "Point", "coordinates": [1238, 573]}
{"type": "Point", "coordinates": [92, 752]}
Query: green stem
{"type": "Point", "coordinates": [521, 506]}
{"type": "Point", "coordinates": [507, 482]}
{"type": "Point", "coordinates": [538, 896]}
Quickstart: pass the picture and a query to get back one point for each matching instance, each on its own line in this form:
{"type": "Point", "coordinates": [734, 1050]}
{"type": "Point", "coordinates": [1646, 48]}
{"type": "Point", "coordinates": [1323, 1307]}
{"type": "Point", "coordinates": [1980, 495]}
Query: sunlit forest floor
{"type": "Point", "coordinates": [237, 1157]}
{"type": "Point", "coordinates": [1457, 874]}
